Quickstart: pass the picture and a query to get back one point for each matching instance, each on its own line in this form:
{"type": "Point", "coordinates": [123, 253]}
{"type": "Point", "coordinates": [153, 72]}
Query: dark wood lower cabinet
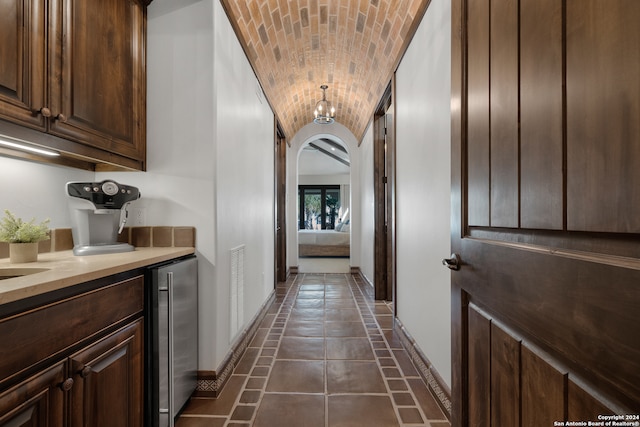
{"type": "Point", "coordinates": [75, 361]}
{"type": "Point", "coordinates": [107, 388]}
{"type": "Point", "coordinates": [37, 401]}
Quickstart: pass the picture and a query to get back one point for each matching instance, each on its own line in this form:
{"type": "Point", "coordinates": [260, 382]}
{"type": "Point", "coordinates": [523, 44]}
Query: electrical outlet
{"type": "Point", "coordinates": [138, 217]}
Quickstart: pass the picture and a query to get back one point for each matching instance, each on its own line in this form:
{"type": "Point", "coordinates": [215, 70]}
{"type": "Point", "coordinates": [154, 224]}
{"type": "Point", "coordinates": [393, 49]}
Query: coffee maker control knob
{"type": "Point", "coordinates": [110, 188]}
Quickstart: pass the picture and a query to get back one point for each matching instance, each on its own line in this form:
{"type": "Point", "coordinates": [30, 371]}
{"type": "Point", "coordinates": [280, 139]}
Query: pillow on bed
{"type": "Point", "coordinates": [339, 226]}
{"type": "Point", "coordinates": [345, 228]}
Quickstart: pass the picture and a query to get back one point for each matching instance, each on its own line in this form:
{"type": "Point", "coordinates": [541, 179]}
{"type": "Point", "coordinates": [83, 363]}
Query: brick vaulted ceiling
{"type": "Point", "coordinates": [353, 46]}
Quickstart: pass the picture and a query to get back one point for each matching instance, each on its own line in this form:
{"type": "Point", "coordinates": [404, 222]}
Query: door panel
{"type": "Point", "coordinates": [541, 132]}
{"type": "Point", "coordinates": [505, 374]}
{"type": "Point", "coordinates": [544, 309]}
{"type": "Point", "coordinates": [603, 115]}
{"type": "Point", "coordinates": [582, 405]}
{"type": "Point", "coordinates": [543, 388]}
{"type": "Point", "coordinates": [480, 366]}
{"type": "Point", "coordinates": [477, 113]}
{"type": "Point", "coordinates": [503, 95]}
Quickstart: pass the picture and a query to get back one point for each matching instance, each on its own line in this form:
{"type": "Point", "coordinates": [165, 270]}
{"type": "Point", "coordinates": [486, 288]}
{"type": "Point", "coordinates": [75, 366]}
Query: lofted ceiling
{"type": "Point", "coordinates": [353, 46]}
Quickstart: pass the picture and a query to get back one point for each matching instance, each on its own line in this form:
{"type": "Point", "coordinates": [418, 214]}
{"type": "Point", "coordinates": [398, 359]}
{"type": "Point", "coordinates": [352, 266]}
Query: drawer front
{"type": "Point", "coordinates": [51, 330]}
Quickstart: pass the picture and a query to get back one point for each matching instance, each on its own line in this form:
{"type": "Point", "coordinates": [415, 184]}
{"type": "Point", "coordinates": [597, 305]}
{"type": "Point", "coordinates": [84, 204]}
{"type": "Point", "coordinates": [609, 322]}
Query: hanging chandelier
{"type": "Point", "coordinates": [324, 112]}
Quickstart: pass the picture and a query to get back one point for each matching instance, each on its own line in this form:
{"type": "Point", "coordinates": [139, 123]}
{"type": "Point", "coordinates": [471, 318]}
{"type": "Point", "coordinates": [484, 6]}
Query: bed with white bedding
{"type": "Point", "coordinates": [323, 243]}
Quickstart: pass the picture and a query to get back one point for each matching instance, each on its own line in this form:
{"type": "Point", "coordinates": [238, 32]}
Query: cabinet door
{"type": "Point", "coordinates": [37, 401]}
{"type": "Point", "coordinates": [97, 83]}
{"type": "Point", "coordinates": [108, 381]}
{"type": "Point", "coordinates": [23, 61]}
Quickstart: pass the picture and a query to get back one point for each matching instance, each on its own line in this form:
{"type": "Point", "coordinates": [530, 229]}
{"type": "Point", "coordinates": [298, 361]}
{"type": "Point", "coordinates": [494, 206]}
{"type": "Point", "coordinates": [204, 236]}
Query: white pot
{"type": "Point", "coordinates": [23, 252]}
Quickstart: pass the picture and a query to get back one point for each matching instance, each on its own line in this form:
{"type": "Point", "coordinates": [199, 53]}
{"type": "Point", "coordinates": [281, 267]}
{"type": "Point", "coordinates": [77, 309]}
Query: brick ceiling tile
{"type": "Point", "coordinates": [297, 45]}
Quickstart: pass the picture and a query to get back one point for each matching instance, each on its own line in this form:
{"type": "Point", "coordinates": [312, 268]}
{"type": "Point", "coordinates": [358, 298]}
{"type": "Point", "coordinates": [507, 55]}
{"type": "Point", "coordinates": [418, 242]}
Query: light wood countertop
{"type": "Point", "coordinates": [64, 269]}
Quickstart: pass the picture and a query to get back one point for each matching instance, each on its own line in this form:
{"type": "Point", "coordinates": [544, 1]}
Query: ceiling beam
{"type": "Point", "coordinates": [330, 154]}
{"type": "Point", "coordinates": [334, 144]}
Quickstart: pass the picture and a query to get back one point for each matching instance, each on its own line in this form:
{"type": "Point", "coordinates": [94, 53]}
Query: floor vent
{"type": "Point", "coordinates": [236, 291]}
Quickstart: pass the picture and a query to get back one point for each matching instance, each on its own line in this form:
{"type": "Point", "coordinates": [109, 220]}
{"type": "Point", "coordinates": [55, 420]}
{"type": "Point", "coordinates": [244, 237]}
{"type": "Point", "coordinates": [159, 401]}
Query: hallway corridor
{"type": "Point", "coordinates": [325, 355]}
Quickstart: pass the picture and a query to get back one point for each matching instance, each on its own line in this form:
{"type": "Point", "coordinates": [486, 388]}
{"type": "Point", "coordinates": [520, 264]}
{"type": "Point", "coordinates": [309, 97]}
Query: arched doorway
{"type": "Point", "coordinates": [323, 206]}
{"type": "Point", "coordinates": [311, 132]}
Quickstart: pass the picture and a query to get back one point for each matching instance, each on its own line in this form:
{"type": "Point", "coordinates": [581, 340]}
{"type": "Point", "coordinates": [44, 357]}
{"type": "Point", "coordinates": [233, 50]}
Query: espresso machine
{"type": "Point", "coordinates": [98, 215]}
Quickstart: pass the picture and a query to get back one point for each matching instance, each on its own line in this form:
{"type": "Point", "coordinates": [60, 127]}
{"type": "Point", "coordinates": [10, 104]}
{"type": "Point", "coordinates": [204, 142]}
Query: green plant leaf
{"type": "Point", "coordinates": [15, 230]}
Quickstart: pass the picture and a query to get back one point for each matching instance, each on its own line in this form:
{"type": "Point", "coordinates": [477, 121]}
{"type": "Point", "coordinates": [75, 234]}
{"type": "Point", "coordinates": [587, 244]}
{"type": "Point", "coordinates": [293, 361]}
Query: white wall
{"type": "Point", "coordinates": [245, 131]}
{"type": "Point", "coordinates": [423, 186]}
{"type": "Point", "coordinates": [206, 167]}
{"type": "Point", "coordinates": [33, 190]}
{"type": "Point", "coordinates": [367, 202]}
{"type": "Point", "coordinates": [342, 179]}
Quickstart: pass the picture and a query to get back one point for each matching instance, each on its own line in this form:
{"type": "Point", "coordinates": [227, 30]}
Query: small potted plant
{"type": "Point", "coordinates": [23, 237]}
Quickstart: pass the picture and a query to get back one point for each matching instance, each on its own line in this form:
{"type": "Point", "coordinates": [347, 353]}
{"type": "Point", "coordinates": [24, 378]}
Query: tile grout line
{"type": "Point", "coordinates": [262, 391]}
{"type": "Point", "coordinates": [397, 366]}
{"type": "Point", "coordinates": [287, 294]}
{"type": "Point", "coordinates": [363, 308]}
{"type": "Point", "coordinates": [326, 365]}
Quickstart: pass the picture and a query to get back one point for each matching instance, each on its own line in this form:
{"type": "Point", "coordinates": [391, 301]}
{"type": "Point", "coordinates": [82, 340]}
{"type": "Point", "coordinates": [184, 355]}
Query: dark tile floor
{"type": "Point", "coordinates": [325, 355]}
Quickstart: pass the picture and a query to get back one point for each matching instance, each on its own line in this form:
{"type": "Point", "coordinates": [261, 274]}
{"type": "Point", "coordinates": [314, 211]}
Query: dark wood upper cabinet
{"type": "Point", "coordinates": [74, 70]}
{"type": "Point", "coordinates": [23, 61]}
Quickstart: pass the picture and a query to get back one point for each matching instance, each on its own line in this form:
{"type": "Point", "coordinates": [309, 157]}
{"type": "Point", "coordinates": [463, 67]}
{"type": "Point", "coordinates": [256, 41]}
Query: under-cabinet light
{"type": "Point", "coordinates": [20, 145]}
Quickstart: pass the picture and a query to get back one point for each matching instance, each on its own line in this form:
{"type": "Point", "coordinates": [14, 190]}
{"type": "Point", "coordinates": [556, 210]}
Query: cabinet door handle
{"type": "Point", "coordinates": [86, 371]}
{"type": "Point", "coordinates": [66, 384]}
{"type": "Point", "coordinates": [44, 111]}
{"type": "Point", "coordinates": [61, 118]}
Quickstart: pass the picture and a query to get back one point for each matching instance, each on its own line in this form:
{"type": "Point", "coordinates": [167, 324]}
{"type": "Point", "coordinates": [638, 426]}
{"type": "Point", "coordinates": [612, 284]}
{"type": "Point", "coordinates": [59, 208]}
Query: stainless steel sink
{"type": "Point", "coordinates": [11, 272]}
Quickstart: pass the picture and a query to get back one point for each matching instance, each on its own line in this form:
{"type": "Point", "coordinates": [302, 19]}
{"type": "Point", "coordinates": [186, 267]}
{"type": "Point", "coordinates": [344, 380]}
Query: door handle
{"type": "Point", "coordinates": [452, 263]}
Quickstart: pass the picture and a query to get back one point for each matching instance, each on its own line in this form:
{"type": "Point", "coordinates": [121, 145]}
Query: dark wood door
{"type": "Point", "coordinates": [384, 195]}
{"type": "Point", "coordinates": [281, 205]}
{"type": "Point", "coordinates": [22, 68]}
{"type": "Point", "coordinates": [108, 381]}
{"type": "Point", "coordinates": [545, 178]}
{"type": "Point", "coordinates": [36, 402]}
{"type": "Point", "coordinates": [97, 79]}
